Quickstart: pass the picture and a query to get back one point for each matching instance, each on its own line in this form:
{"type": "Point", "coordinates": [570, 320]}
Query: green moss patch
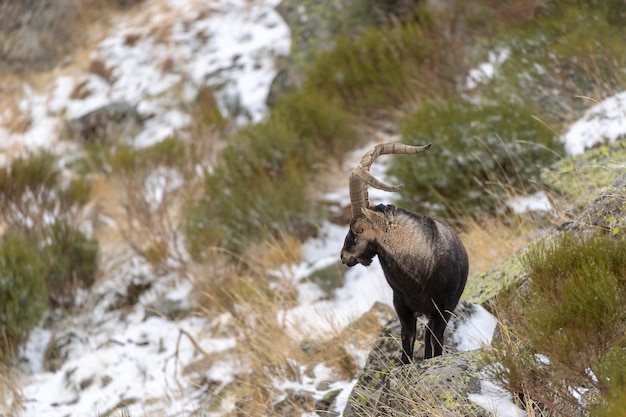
{"type": "Point", "coordinates": [576, 177]}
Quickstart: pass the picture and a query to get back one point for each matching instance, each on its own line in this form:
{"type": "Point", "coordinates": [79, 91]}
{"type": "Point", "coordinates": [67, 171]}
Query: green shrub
{"type": "Point", "coordinates": [573, 49]}
{"type": "Point", "coordinates": [37, 204]}
{"type": "Point", "coordinates": [23, 291]}
{"type": "Point", "coordinates": [122, 158]}
{"type": "Point", "coordinates": [568, 323]}
{"type": "Point", "coordinates": [72, 262]}
{"type": "Point", "coordinates": [27, 190]}
{"type": "Point", "coordinates": [329, 278]}
{"type": "Point", "coordinates": [386, 67]}
{"type": "Point", "coordinates": [319, 123]}
{"type": "Point", "coordinates": [480, 155]}
{"type": "Point", "coordinates": [32, 192]}
{"type": "Point", "coordinates": [260, 183]}
{"type": "Point", "coordinates": [579, 285]}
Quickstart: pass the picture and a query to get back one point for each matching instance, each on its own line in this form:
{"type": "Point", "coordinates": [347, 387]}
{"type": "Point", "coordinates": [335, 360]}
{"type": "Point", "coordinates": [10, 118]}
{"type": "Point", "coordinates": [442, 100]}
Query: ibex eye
{"type": "Point", "coordinates": [359, 230]}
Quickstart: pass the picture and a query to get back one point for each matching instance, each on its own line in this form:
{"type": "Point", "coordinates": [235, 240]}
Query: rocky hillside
{"type": "Point", "coordinates": [174, 190]}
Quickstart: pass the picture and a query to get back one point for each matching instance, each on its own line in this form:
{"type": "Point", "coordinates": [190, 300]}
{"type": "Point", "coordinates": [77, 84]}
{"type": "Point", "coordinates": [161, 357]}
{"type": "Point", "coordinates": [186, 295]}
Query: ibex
{"type": "Point", "coordinates": [423, 260]}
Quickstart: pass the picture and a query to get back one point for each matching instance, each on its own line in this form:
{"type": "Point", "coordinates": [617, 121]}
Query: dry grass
{"type": "Point", "coordinates": [10, 395]}
{"type": "Point", "coordinates": [242, 289]}
{"type": "Point", "coordinates": [491, 240]}
{"type": "Point", "coordinates": [11, 116]}
{"type": "Point", "coordinates": [255, 299]}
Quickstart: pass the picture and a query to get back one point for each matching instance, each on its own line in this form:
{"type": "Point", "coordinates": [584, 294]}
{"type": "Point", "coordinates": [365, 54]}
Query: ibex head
{"type": "Point", "coordinates": [367, 226]}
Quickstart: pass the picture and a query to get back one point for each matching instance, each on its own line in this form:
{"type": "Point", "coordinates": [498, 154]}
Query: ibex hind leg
{"type": "Point", "coordinates": [408, 327]}
{"type": "Point", "coordinates": [433, 337]}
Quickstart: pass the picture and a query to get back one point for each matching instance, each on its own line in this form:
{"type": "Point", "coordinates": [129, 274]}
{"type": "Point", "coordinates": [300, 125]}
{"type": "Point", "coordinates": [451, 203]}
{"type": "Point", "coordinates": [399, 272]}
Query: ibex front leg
{"type": "Point", "coordinates": [408, 328]}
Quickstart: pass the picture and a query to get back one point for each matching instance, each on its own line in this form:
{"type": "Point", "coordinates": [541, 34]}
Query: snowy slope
{"type": "Point", "coordinates": [136, 359]}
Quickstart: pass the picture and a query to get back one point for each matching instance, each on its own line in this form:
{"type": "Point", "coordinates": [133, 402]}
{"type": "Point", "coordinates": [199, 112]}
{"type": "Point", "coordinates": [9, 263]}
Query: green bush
{"type": "Point", "coordinates": [260, 184]}
{"type": "Point", "coordinates": [568, 323]}
{"type": "Point", "coordinates": [72, 262]}
{"type": "Point", "coordinates": [386, 67]}
{"type": "Point", "coordinates": [36, 203]}
{"type": "Point", "coordinates": [27, 190]}
{"type": "Point", "coordinates": [32, 192]}
{"type": "Point", "coordinates": [126, 159]}
{"type": "Point", "coordinates": [480, 155]}
{"type": "Point", "coordinates": [579, 285]}
{"type": "Point", "coordinates": [23, 291]}
{"type": "Point", "coordinates": [572, 49]}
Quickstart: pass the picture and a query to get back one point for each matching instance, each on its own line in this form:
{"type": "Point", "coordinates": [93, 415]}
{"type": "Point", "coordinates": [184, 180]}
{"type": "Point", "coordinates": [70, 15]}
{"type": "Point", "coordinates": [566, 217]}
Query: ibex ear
{"type": "Point", "coordinates": [376, 218]}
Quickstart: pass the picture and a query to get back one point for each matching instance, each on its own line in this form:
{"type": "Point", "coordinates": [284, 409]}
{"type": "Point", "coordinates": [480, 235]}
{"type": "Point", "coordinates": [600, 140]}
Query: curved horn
{"type": "Point", "coordinates": [360, 177]}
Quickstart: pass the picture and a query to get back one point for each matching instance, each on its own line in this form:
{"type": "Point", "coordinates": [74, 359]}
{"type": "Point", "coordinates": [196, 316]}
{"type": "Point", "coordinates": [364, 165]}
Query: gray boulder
{"type": "Point", "coordinates": [113, 122]}
{"type": "Point", "coordinates": [387, 388]}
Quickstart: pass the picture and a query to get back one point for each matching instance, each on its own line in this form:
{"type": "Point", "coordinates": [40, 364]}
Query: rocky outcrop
{"type": "Point", "coordinates": [579, 177]}
{"type": "Point", "coordinates": [387, 388]}
{"type": "Point", "coordinates": [36, 34]}
{"type": "Point", "coordinates": [443, 384]}
{"type": "Point", "coordinates": [606, 213]}
{"type": "Point", "coordinates": [439, 386]}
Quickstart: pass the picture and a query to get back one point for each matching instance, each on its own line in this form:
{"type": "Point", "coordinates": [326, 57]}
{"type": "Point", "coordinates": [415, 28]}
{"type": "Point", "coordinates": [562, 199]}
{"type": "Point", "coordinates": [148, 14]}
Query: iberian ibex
{"type": "Point", "coordinates": [423, 260]}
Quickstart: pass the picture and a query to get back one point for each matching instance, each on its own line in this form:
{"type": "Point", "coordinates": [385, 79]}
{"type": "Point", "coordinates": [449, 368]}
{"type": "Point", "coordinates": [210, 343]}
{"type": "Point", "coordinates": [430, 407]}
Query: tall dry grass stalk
{"type": "Point", "coordinates": [11, 401]}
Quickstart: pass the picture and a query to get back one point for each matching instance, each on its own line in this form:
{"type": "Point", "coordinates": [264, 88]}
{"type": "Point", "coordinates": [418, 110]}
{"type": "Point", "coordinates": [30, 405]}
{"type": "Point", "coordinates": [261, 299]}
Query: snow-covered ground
{"type": "Point", "coordinates": [137, 359]}
{"type": "Point", "coordinates": [159, 56]}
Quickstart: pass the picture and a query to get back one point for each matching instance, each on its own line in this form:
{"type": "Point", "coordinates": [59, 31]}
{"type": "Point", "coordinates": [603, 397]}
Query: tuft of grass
{"type": "Point", "coordinates": [490, 240]}
{"type": "Point", "coordinates": [568, 347]}
{"type": "Point", "coordinates": [481, 154]}
{"type": "Point", "coordinates": [252, 298]}
{"type": "Point", "coordinates": [235, 279]}
{"type": "Point", "coordinates": [11, 400]}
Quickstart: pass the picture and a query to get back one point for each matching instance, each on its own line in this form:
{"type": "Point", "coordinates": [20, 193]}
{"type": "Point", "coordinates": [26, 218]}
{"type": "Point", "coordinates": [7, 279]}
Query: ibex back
{"type": "Point", "coordinates": [423, 260]}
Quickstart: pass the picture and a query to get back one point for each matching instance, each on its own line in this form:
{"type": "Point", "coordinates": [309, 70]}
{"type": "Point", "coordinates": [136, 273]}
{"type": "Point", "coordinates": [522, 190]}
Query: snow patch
{"type": "Point", "coordinates": [538, 201]}
{"type": "Point", "coordinates": [496, 401]}
{"type": "Point", "coordinates": [486, 70]}
{"type": "Point", "coordinates": [605, 122]}
{"type": "Point", "coordinates": [476, 331]}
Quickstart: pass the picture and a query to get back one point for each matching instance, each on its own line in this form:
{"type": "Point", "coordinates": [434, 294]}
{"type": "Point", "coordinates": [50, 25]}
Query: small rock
{"type": "Point", "coordinates": [116, 121]}
{"type": "Point", "coordinates": [171, 309]}
{"type": "Point", "coordinates": [294, 404]}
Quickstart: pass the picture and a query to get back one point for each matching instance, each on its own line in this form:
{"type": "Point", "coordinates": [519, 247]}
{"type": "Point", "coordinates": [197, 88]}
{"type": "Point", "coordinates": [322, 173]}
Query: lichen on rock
{"type": "Point", "coordinates": [385, 386]}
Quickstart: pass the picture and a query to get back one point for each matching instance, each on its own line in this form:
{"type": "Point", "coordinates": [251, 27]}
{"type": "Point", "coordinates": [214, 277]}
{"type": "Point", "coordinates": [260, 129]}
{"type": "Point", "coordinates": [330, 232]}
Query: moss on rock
{"type": "Point", "coordinates": [579, 176]}
{"type": "Point", "coordinates": [484, 287]}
